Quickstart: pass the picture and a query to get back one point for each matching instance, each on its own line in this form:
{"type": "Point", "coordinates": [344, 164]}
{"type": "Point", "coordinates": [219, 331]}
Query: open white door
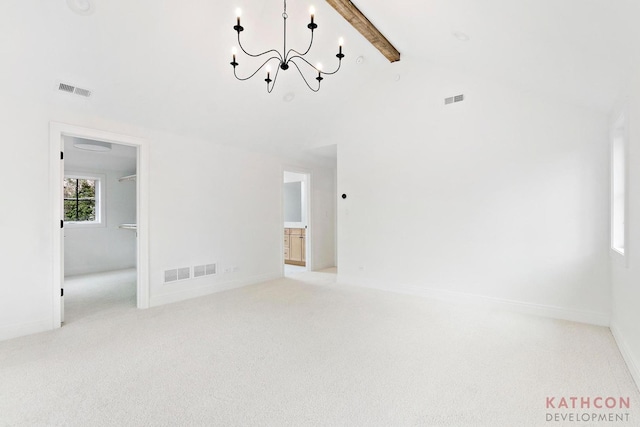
{"type": "Point", "coordinates": [61, 180]}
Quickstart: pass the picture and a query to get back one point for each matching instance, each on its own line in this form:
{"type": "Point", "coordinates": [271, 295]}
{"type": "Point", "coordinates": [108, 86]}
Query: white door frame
{"type": "Point", "coordinates": [56, 132]}
{"type": "Point", "coordinates": [309, 231]}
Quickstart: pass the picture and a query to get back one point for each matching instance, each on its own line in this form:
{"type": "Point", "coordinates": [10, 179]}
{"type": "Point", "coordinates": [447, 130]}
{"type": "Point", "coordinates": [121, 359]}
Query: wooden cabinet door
{"type": "Point", "coordinates": [296, 248]}
{"type": "Point", "coordinates": [286, 244]}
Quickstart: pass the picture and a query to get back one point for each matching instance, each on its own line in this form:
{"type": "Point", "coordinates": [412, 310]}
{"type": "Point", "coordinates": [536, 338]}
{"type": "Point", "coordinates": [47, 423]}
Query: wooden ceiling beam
{"type": "Point", "coordinates": [352, 14]}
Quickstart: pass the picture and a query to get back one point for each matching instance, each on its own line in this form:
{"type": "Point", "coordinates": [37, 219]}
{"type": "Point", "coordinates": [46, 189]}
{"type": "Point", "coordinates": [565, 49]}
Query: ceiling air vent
{"type": "Point", "coordinates": [83, 92]}
{"type": "Point", "coordinates": [452, 99]}
{"type": "Point", "coordinates": [64, 87]}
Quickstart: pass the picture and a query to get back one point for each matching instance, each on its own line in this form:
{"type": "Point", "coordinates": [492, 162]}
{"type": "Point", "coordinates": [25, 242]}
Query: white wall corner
{"type": "Point", "coordinates": [553, 312]}
{"type": "Point", "coordinates": [633, 363]}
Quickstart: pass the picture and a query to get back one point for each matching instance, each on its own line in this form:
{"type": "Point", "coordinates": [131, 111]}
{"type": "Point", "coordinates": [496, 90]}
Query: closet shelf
{"type": "Point", "coordinates": [127, 178]}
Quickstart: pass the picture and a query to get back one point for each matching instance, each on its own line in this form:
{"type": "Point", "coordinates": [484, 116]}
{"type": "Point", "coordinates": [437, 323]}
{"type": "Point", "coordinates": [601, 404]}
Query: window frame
{"type": "Point", "coordinates": [619, 186]}
{"type": "Point", "coordinates": [100, 179]}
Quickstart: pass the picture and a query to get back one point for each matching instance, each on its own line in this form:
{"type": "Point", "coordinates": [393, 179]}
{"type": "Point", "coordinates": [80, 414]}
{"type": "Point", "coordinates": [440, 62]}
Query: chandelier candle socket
{"type": "Point", "coordinates": [286, 58]}
{"type": "Point", "coordinates": [268, 79]}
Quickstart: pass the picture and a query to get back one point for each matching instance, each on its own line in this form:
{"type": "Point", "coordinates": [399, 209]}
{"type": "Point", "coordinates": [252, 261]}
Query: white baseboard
{"type": "Point", "coordinates": [212, 288]}
{"type": "Point", "coordinates": [20, 329]}
{"type": "Point", "coordinates": [582, 316]}
{"type": "Point", "coordinates": [632, 362]}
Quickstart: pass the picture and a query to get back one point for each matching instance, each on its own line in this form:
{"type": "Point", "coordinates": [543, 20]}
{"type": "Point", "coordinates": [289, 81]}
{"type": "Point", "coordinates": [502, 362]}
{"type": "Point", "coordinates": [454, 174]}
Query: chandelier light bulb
{"type": "Point", "coordinates": [319, 66]}
{"type": "Point", "coordinates": [341, 41]}
{"type": "Point", "coordinates": [312, 11]}
{"type": "Point", "coordinates": [234, 50]}
{"type": "Point", "coordinates": [238, 12]}
{"type": "Point", "coordinates": [268, 68]}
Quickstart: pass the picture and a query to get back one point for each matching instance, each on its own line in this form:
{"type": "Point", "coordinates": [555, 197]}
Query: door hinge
{"type": "Point", "coordinates": [62, 155]}
{"type": "Point", "coordinates": [61, 223]}
{"type": "Point", "coordinates": [61, 292]}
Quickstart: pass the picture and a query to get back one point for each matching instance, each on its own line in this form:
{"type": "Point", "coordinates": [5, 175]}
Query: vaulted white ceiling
{"type": "Point", "coordinates": [165, 64]}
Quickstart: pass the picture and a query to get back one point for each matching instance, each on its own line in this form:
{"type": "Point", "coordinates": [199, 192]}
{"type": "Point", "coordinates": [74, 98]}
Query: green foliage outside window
{"type": "Point", "coordinates": [79, 199]}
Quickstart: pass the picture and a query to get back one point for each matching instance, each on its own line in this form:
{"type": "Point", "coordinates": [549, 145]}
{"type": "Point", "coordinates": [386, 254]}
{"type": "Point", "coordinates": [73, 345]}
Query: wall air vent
{"type": "Point", "coordinates": [204, 270]}
{"type": "Point", "coordinates": [170, 275]}
{"type": "Point", "coordinates": [211, 269]}
{"type": "Point", "coordinates": [184, 273]}
{"type": "Point", "coordinates": [452, 99]}
{"type": "Point", "coordinates": [199, 271]}
{"type": "Point", "coordinates": [177, 274]}
{"type": "Point", "coordinates": [64, 87]}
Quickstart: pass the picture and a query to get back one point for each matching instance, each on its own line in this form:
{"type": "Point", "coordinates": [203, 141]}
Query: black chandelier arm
{"type": "Point", "coordinates": [256, 71]}
{"type": "Point", "coordinates": [275, 78]}
{"type": "Point", "coordinates": [305, 52]}
{"type": "Point", "coordinates": [328, 73]}
{"type": "Point", "coordinates": [286, 57]}
{"type": "Point", "coordinates": [259, 54]}
{"type": "Point", "coordinates": [302, 75]}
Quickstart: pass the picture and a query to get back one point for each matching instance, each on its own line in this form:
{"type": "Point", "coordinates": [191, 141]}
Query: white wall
{"type": "Point", "coordinates": [197, 214]}
{"type": "Point", "coordinates": [25, 246]}
{"type": "Point", "coordinates": [95, 249]}
{"type": "Point", "coordinates": [504, 195]}
{"type": "Point", "coordinates": [626, 275]}
{"type": "Point", "coordinates": [323, 218]}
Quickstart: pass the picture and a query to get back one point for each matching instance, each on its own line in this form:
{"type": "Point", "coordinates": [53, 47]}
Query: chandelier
{"type": "Point", "coordinates": [287, 58]}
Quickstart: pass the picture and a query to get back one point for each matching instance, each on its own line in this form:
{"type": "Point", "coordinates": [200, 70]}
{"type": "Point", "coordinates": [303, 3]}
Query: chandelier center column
{"type": "Point", "coordinates": [283, 63]}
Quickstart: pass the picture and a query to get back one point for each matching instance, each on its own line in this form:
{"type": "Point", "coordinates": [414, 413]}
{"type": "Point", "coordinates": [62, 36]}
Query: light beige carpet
{"type": "Point", "coordinates": [304, 351]}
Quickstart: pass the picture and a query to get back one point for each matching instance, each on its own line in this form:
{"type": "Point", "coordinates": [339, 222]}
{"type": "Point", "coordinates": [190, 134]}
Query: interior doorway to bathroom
{"type": "Point", "coordinates": [297, 233]}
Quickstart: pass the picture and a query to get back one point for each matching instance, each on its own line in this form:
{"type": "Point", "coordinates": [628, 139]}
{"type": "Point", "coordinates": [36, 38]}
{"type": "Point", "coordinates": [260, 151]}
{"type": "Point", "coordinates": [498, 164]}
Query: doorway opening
{"type": "Point", "coordinates": [99, 233]}
{"type": "Point", "coordinates": [297, 233]}
{"type": "Point", "coordinates": [99, 206]}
